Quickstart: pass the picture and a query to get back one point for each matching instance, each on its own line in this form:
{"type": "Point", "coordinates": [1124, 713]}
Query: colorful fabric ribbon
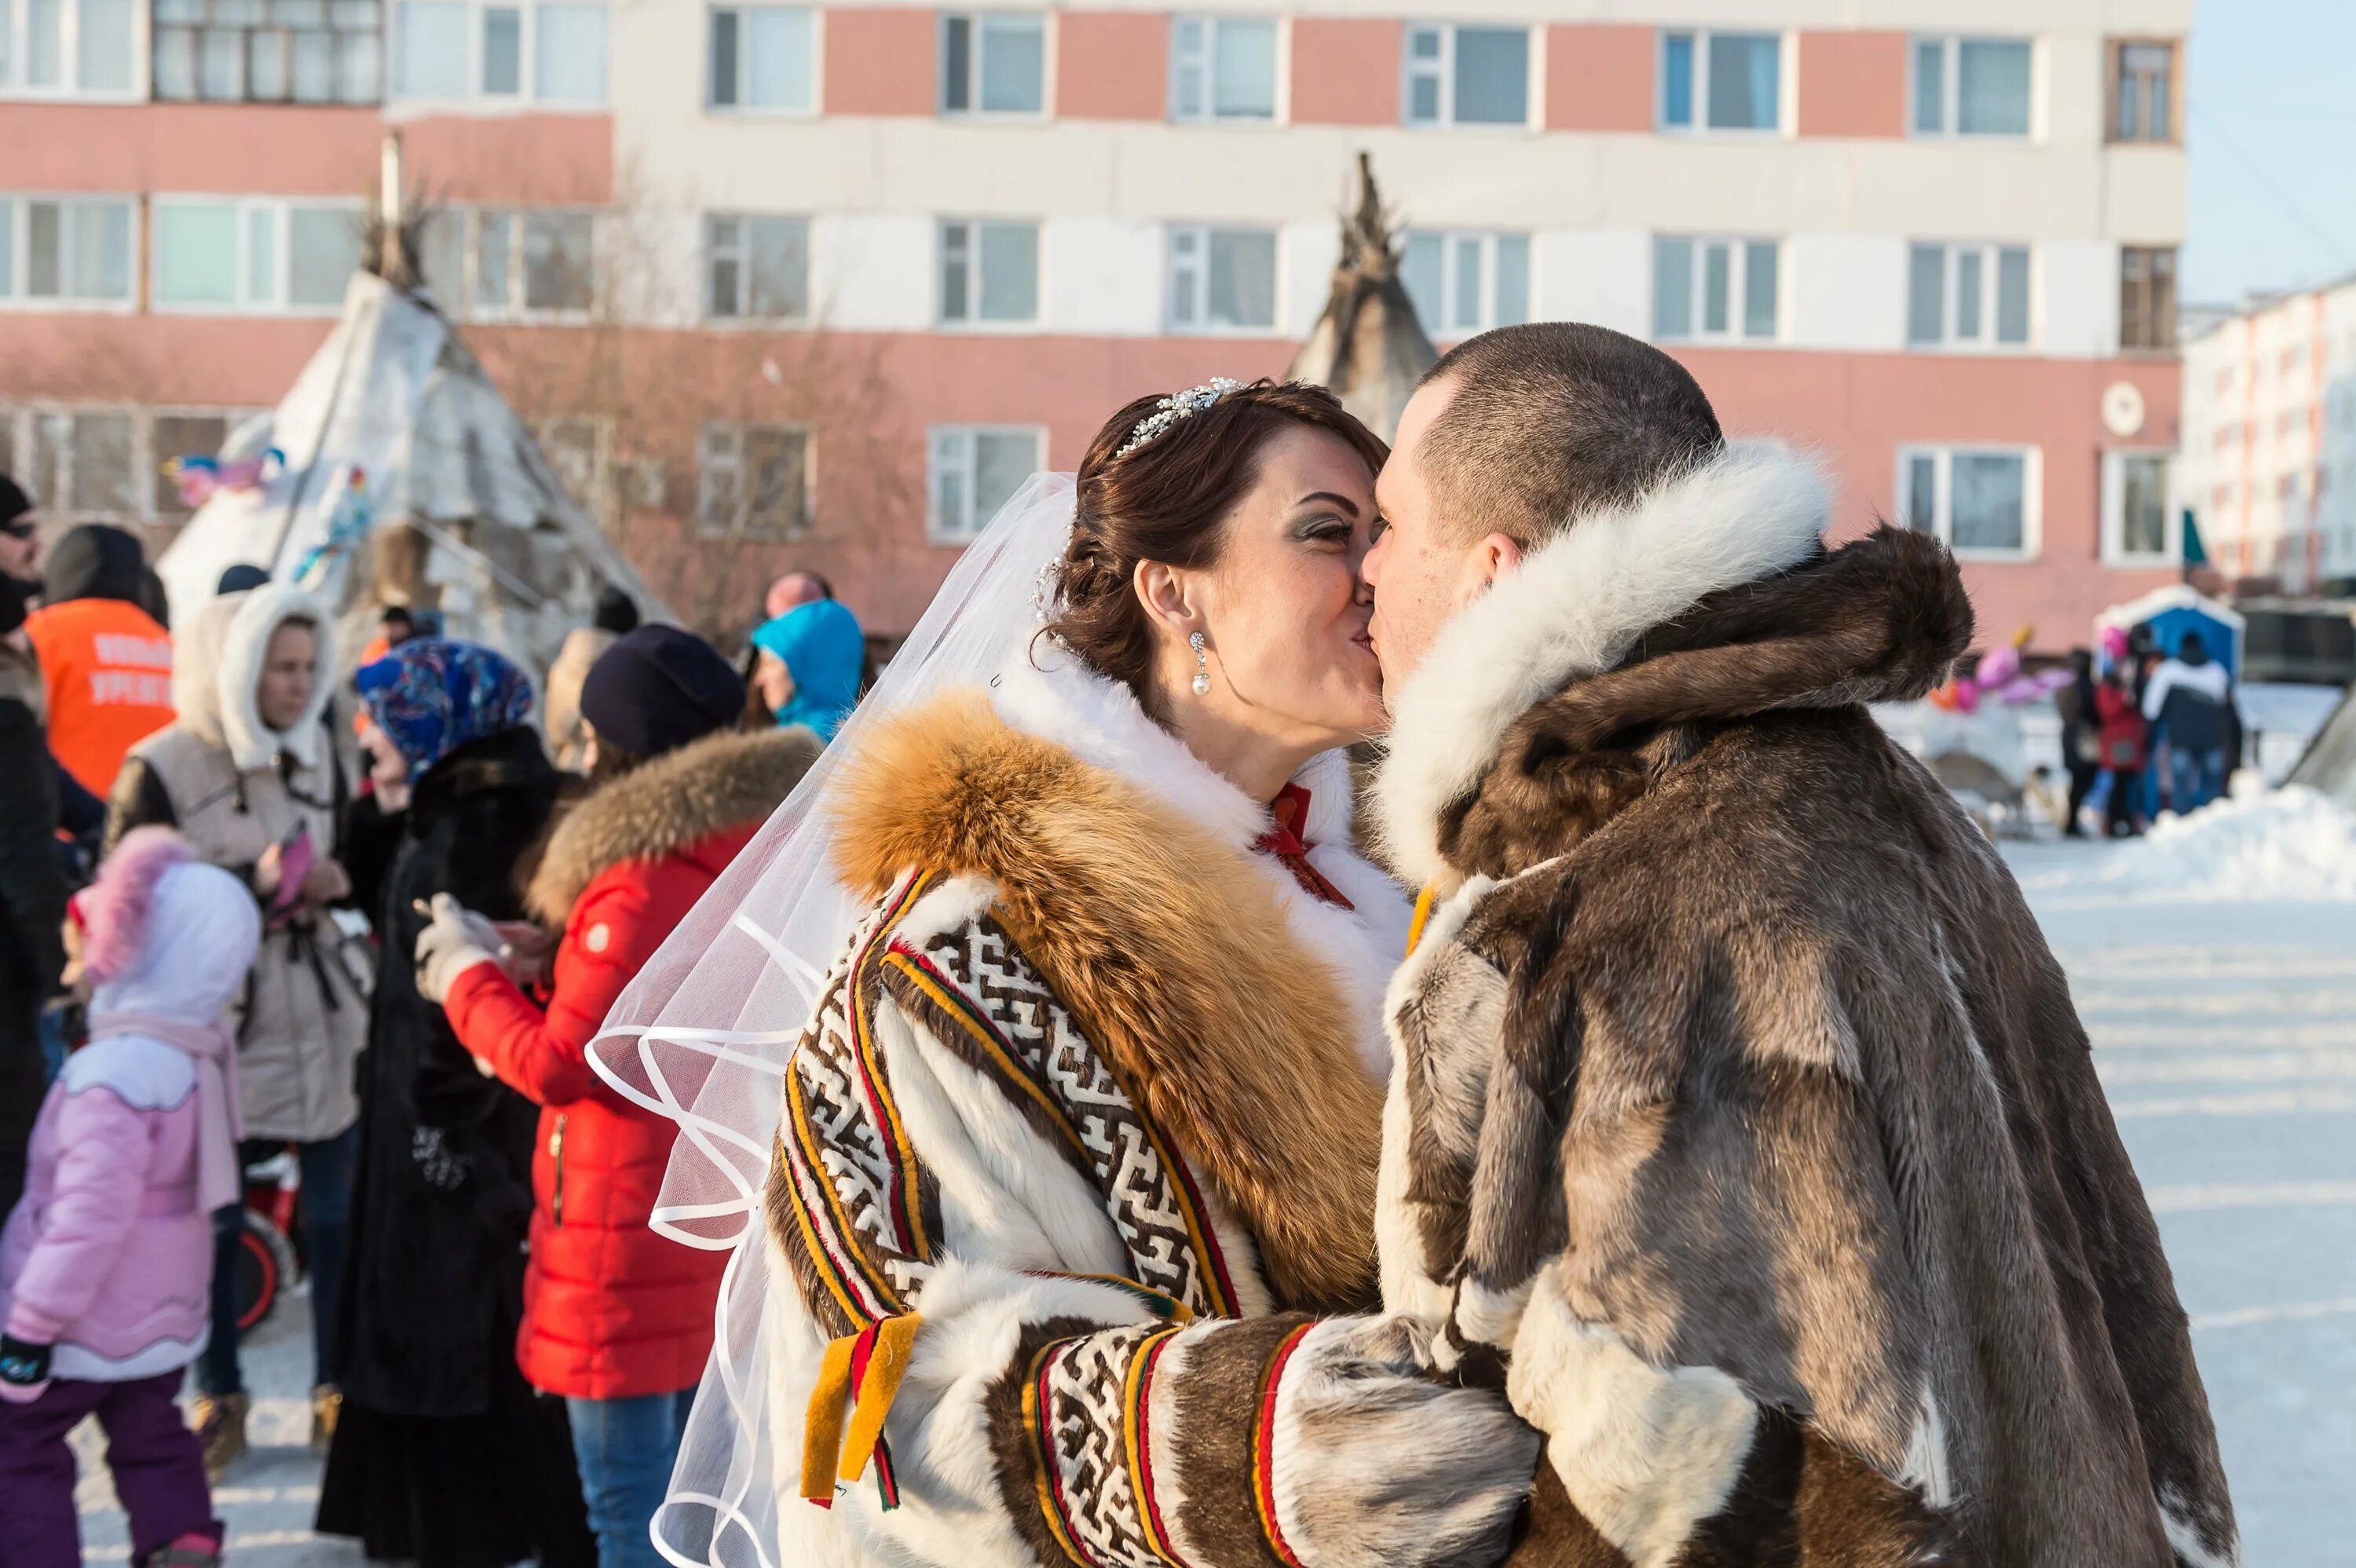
{"type": "Point", "coordinates": [857, 1379]}
{"type": "Point", "coordinates": [1290, 809]}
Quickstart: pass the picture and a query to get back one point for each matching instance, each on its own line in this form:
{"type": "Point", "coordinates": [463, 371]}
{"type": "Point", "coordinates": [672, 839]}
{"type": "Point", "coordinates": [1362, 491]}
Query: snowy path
{"type": "Point", "coordinates": [2226, 1038]}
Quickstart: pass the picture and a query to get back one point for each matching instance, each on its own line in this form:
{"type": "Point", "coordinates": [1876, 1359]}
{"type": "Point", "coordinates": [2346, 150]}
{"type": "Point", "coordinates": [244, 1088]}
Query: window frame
{"type": "Point", "coordinates": [1203, 233]}
{"type": "Point", "coordinates": [2167, 343]}
{"type": "Point", "coordinates": [938, 436]}
{"type": "Point", "coordinates": [707, 259]}
{"type": "Point", "coordinates": [465, 304]}
{"type": "Point", "coordinates": [378, 31]}
{"type": "Point", "coordinates": [973, 320]}
{"type": "Point", "coordinates": [15, 21]}
{"type": "Point", "coordinates": [281, 209]}
{"type": "Point", "coordinates": [977, 20]}
{"type": "Point", "coordinates": [741, 109]}
{"type": "Point", "coordinates": [1211, 22]}
{"type": "Point", "coordinates": [2113, 505]}
{"type": "Point", "coordinates": [1991, 253]}
{"type": "Point", "coordinates": [1738, 291]}
{"type": "Point", "coordinates": [2032, 495]}
{"type": "Point", "coordinates": [1950, 70]}
{"type": "Point", "coordinates": [2113, 73]}
{"type": "Point", "coordinates": [1450, 255]}
{"type": "Point", "coordinates": [795, 529]}
{"type": "Point", "coordinates": [526, 98]}
{"type": "Point", "coordinates": [18, 262]}
{"type": "Point", "coordinates": [17, 425]}
{"type": "Point", "coordinates": [1698, 123]}
{"type": "Point", "coordinates": [1443, 69]}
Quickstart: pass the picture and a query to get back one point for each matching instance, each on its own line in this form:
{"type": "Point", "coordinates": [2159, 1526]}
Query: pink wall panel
{"type": "Point", "coordinates": [1346, 72]}
{"type": "Point", "coordinates": [1852, 84]}
{"type": "Point", "coordinates": [1600, 78]}
{"type": "Point", "coordinates": [1112, 65]}
{"type": "Point", "coordinates": [881, 61]}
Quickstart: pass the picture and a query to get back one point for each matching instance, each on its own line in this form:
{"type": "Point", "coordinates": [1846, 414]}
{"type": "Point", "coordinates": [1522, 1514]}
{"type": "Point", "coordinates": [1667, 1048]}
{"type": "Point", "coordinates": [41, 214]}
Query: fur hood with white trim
{"type": "Point", "coordinates": [1741, 1121]}
{"type": "Point", "coordinates": [217, 663]}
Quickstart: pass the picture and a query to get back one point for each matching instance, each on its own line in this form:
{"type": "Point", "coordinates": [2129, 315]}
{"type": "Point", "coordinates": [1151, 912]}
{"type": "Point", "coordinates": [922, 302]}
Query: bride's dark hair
{"type": "Point", "coordinates": [1168, 501]}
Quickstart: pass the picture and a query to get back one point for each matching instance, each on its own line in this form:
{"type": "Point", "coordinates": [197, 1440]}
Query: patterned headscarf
{"type": "Point", "coordinates": [433, 696]}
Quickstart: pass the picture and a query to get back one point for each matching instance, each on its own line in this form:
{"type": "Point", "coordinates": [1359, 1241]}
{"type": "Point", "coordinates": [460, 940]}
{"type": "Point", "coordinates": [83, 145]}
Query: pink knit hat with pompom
{"type": "Point", "coordinates": [113, 910]}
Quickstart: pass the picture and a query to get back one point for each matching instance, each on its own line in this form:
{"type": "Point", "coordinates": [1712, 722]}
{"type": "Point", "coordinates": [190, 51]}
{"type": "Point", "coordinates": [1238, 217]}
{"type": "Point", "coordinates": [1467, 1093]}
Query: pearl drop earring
{"type": "Point", "coordinates": [1202, 665]}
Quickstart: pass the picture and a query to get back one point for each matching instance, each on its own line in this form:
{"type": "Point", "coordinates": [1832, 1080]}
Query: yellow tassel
{"type": "Point", "coordinates": [822, 1429]}
{"type": "Point", "coordinates": [1423, 902]}
{"type": "Point", "coordinates": [886, 1365]}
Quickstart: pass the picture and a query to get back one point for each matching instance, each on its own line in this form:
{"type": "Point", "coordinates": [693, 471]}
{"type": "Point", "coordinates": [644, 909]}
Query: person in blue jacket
{"type": "Point", "coordinates": [810, 660]}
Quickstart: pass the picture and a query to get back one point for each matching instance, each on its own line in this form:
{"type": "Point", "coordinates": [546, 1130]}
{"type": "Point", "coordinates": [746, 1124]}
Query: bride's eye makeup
{"type": "Point", "coordinates": [1331, 524]}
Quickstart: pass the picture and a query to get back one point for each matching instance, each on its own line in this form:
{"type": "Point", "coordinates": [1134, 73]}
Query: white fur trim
{"type": "Point", "coordinates": [145, 1074]}
{"type": "Point", "coordinates": [1925, 1467]}
{"type": "Point", "coordinates": [1574, 608]}
{"type": "Point", "coordinates": [1645, 1453]}
{"type": "Point", "coordinates": [2185, 1536]}
{"type": "Point", "coordinates": [947, 905]}
{"type": "Point", "coordinates": [1487, 1316]}
{"type": "Point", "coordinates": [245, 646]}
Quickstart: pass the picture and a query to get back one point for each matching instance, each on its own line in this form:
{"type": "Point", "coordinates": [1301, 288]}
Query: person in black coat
{"type": "Point", "coordinates": [32, 891]}
{"type": "Point", "coordinates": [441, 1453]}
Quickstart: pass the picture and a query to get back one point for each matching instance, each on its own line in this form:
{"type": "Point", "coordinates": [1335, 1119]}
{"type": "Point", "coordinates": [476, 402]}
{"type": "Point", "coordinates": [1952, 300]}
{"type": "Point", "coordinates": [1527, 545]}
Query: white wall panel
{"type": "Point", "coordinates": [1101, 276]}
{"type": "Point", "coordinates": [2079, 313]}
{"type": "Point", "coordinates": [1846, 291]}
{"type": "Point", "coordinates": [874, 273]}
{"type": "Point", "coordinates": [1306, 255]}
{"type": "Point", "coordinates": [1599, 275]}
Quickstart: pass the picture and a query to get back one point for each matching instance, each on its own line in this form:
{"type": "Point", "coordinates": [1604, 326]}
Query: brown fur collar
{"type": "Point", "coordinates": [721, 781]}
{"type": "Point", "coordinates": [1879, 619]}
{"type": "Point", "coordinates": [1169, 950]}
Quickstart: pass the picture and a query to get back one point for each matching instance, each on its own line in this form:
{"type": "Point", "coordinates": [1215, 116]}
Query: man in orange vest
{"type": "Point", "coordinates": [106, 663]}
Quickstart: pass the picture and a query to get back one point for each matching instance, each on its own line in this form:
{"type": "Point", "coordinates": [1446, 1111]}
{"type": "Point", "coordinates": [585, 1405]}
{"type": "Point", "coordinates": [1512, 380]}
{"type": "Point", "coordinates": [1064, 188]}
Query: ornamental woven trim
{"type": "Point", "coordinates": [1083, 1408]}
{"type": "Point", "coordinates": [1013, 1027]}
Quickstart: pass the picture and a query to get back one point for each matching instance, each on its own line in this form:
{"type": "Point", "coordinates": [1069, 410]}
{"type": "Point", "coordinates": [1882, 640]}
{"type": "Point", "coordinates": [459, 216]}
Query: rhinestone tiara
{"type": "Point", "coordinates": [1175, 406]}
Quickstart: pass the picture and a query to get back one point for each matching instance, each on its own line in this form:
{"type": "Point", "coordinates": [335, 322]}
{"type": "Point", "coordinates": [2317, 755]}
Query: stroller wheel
{"type": "Point", "coordinates": [265, 1265]}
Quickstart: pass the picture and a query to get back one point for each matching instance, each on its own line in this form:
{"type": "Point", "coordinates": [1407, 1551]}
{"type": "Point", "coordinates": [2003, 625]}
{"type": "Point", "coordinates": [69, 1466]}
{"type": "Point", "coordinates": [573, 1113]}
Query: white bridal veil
{"type": "Point", "coordinates": [704, 1034]}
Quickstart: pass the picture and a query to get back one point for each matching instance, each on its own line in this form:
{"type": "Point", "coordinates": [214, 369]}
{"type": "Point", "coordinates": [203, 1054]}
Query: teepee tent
{"type": "Point", "coordinates": [400, 476]}
{"type": "Point", "coordinates": [1367, 346]}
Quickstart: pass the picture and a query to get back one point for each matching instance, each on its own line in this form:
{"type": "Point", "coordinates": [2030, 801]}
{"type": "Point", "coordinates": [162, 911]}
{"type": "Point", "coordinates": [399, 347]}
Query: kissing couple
{"type": "Point", "coordinates": [1674, 1144]}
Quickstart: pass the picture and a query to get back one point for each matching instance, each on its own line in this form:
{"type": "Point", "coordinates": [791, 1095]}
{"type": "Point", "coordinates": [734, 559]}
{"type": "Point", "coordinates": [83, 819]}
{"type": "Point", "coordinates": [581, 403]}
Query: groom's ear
{"type": "Point", "coordinates": [1487, 559]}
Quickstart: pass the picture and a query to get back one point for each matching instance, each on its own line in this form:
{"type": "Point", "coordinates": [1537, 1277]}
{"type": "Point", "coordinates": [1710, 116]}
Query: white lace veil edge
{"type": "Point", "coordinates": [704, 1034]}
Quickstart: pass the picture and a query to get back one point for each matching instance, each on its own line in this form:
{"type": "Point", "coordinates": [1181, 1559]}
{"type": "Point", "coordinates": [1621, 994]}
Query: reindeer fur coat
{"type": "Point", "coordinates": [1740, 1119]}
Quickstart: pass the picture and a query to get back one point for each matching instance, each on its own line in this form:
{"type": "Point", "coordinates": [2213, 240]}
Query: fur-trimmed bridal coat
{"type": "Point", "coordinates": [1741, 1110]}
{"type": "Point", "coordinates": [1092, 1101]}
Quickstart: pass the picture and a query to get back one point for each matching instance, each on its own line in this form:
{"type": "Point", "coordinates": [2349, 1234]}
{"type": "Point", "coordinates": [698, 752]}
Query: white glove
{"type": "Point", "coordinates": [456, 941]}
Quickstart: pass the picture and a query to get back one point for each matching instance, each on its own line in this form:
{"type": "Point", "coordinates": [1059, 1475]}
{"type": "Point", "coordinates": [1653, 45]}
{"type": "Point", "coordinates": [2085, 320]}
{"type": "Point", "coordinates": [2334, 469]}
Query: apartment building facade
{"type": "Point", "coordinates": [2268, 465]}
{"type": "Point", "coordinates": [822, 284]}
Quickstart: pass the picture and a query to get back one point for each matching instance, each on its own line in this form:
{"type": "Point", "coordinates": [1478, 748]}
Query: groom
{"type": "Point", "coordinates": [1742, 1122]}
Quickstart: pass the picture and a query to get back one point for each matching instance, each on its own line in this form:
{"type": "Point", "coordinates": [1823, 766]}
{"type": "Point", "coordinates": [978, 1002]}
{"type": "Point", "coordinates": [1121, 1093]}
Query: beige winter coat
{"type": "Point", "coordinates": [568, 737]}
{"type": "Point", "coordinates": [233, 787]}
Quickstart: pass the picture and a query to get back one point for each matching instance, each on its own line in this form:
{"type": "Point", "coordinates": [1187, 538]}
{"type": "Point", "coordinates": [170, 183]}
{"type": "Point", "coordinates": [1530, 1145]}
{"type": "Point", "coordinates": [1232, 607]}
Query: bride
{"type": "Point", "coordinates": [1036, 1053]}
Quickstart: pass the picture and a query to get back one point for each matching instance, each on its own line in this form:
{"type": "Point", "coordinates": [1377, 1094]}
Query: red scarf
{"type": "Point", "coordinates": [1284, 841]}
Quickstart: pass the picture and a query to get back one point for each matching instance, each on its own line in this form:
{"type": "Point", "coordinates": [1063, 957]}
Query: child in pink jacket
{"type": "Point", "coordinates": [106, 1263]}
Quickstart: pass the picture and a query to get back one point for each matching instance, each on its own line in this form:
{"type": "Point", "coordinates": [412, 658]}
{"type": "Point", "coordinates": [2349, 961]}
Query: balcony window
{"type": "Point", "coordinates": [456, 50]}
{"type": "Point", "coordinates": [270, 51]}
{"type": "Point", "coordinates": [1222, 68]}
{"type": "Point", "coordinates": [1966, 296]}
{"type": "Point", "coordinates": [2147, 296]}
{"type": "Point", "coordinates": [1979, 500]}
{"type": "Point", "coordinates": [1467, 76]}
{"type": "Point", "coordinates": [65, 250]}
{"type": "Point", "coordinates": [68, 49]}
{"type": "Point", "coordinates": [2136, 515]}
{"type": "Point", "coordinates": [1222, 280]}
{"type": "Point", "coordinates": [1715, 290]}
{"type": "Point", "coordinates": [1721, 81]}
{"type": "Point", "coordinates": [994, 63]}
{"type": "Point", "coordinates": [753, 481]}
{"type": "Point", "coordinates": [764, 57]}
{"type": "Point", "coordinates": [1467, 283]}
{"type": "Point", "coordinates": [220, 254]}
{"type": "Point", "coordinates": [2143, 97]}
{"type": "Point", "coordinates": [493, 263]}
{"type": "Point", "coordinates": [971, 470]}
{"type": "Point", "coordinates": [756, 268]}
{"type": "Point", "coordinates": [988, 271]}
{"type": "Point", "coordinates": [1971, 87]}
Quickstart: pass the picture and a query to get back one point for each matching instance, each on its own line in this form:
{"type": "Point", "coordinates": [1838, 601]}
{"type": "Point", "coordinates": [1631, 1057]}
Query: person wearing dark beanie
{"type": "Point", "coordinates": [616, 1319]}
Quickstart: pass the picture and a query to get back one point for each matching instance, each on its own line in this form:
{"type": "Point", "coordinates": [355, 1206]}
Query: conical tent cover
{"type": "Point", "coordinates": [1368, 346]}
{"type": "Point", "coordinates": [454, 506]}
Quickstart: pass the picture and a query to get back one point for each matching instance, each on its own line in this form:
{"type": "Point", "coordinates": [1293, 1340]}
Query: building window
{"type": "Point", "coordinates": [1971, 87]}
{"type": "Point", "coordinates": [81, 464]}
{"type": "Point", "coordinates": [1711, 290]}
{"type": "Point", "coordinates": [1966, 296]}
{"type": "Point", "coordinates": [971, 470]}
{"type": "Point", "coordinates": [1721, 81]}
{"type": "Point", "coordinates": [491, 263]}
{"type": "Point", "coordinates": [454, 50]}
{"type": "Point", "coordinates": [994, 63]}
{"type": "Point", "coordinates": [753, 481]}
{"type": "Point", "coordinates": [253, 255]}
{"type": "Point", "coordinates": [1222, 68]}
{"type": "Point", "coordinates": [2142, 101]}
{"type": "Point", "coordinates": [1467, 282]}
{"type": "Point", "coordinates": [1222, 280]}
{"type": "Point", "coordinates": [989, 272]}
{"type": "Point", "coordinates": [1980, 501]}
{"type": "Point", "coordinates": [2147, 296]}
{"type": "Point", "coordinates": [68, 49]}
{"type": "Point", "coordinates": [2136, 518]}
{"type": "Point", "coordinates": [1467, 76]}
{"type": "Point", "coordinates": [65, 250]}
{"type": "Point", "coordinates": [764, 57]}
{"type": "Point", "coordinates": [270, 51]}
{"type": "Point", "coordinates": [756, 268]}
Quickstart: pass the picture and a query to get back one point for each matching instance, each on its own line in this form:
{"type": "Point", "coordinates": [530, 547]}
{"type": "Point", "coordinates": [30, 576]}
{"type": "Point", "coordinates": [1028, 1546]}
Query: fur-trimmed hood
{"type": "Point", "coordinates": [217, 661]}
{"type": "Point", "coordinates": [721, 781]}
{"type": "Point", "coordinates": [1711, 598]}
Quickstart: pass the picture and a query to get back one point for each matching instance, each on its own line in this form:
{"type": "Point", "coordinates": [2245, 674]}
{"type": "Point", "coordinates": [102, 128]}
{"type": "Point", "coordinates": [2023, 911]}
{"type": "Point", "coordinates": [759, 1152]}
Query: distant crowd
{"type": "Point", "coordinates": [295, 962]}
{"type": "Point", "coordinates": [2152, 731]}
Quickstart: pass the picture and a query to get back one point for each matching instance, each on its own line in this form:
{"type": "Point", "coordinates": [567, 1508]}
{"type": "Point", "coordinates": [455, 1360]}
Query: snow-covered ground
{"type": "Point", "coordinates": [2215, 964]}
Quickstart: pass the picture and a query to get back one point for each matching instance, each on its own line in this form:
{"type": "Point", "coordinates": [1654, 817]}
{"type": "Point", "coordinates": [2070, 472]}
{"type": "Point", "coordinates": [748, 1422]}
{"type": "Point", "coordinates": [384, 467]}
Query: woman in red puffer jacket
{"type": "Point", "coordinates": [616, 1318]}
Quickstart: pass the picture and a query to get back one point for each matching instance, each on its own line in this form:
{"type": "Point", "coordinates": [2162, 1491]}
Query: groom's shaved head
{"type": "Point", "coordinates": [1550, 422]}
